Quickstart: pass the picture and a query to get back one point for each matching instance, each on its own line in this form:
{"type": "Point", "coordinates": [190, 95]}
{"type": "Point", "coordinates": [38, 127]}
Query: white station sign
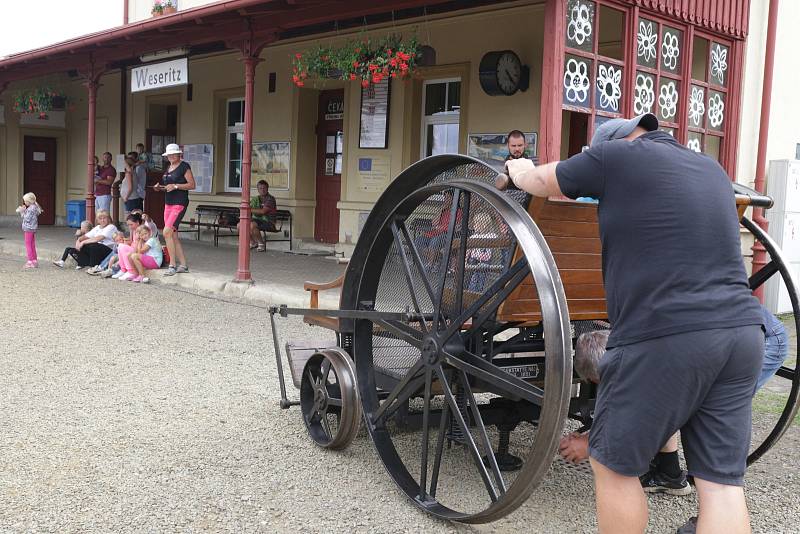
{"type": "Point", "coordinates": [160, 75]}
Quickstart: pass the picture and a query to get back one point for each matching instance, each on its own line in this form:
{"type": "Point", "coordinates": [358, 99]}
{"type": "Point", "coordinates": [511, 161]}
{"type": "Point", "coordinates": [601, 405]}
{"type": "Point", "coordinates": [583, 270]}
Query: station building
{"type": "Point", "coordinates": [330, 147]}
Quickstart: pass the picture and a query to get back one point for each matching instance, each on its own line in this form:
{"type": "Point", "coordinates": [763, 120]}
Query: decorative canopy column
{"type": "Point", "coordinates": [552, 75]}
{"type": "Point", "coordinates": [92, 78]}
{"type": "Point", "coordinates": [250, 49]}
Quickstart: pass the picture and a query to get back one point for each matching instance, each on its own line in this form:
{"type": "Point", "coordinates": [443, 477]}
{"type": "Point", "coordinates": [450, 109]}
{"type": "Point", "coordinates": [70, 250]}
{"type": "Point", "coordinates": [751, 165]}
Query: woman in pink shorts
{"type": "Point", "coordinates": [176, 182]}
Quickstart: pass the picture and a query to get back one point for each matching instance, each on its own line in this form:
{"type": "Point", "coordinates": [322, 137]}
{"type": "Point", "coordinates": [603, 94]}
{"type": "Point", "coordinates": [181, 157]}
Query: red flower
{"type": "Point", "coordinates": [324, 58]}
{"type": "Point", "coordinates": [393, 62]}
{"type": "Point", "coordinates": [295, 78]}
{"type": "Point", "coordinates": [394, 75]}
{"type": "Point", "coordinates": [364, 83]}
{"type": "Point", "coordinates": [358, 50]}
{"type": "Point", "coordinates": [352, 76]}
{"type": "Point", "coordinates": [372, 67]}
{"type": "Point", "coordinates": [300, 83]}
{"type": "Point", "coordinates": [356, 64]}
{"type": "Point", "coordinates": [388, 51]}
{"type": "Point", "coordinates": [298, 55]}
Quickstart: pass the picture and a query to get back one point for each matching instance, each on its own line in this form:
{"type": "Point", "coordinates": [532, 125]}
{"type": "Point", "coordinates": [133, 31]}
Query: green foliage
{"type": "Point", "coordinates": [39, 100]}
{"type": "Point", "coordinates": [362, 60]}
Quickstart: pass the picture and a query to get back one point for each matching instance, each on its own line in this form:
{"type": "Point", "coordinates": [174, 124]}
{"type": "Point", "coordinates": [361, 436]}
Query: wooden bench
{"type": "Point", "coordinates": [218, 218]}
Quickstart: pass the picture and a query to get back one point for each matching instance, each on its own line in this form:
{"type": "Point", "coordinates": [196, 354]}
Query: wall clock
{"type": "Point", "coordinates": [502, 73]}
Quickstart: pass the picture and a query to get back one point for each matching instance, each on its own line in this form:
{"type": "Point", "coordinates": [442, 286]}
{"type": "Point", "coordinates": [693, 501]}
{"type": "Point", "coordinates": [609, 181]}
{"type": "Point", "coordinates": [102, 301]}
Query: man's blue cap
{"type": "Point", "coordinates": [621, 128]}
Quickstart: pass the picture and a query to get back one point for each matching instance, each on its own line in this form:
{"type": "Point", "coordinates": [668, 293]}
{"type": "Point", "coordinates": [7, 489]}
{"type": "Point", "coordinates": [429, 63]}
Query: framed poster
{"type": "Point", "coordinates": [492, 149]}
{"type": "Point", "coordinates": [271, 163]}
{"type": "Point", "coordinates": [374, 123]}
{"type": "Point", "coordinates": [201, 158]}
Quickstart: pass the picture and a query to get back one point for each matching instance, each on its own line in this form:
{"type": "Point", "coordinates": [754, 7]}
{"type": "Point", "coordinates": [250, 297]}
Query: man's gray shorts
{"type": "Point", "coordinates": [700, 382]}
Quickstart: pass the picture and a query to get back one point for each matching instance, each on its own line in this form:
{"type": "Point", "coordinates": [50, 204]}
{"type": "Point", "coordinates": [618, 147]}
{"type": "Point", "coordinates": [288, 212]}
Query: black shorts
{"type": "Point", "coordinates": [701, 383]}
{"type": "Point", "coordinates": [265, 225]}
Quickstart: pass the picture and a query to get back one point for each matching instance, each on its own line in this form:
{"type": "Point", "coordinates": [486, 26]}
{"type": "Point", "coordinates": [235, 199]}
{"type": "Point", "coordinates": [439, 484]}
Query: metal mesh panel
{"type": "Point", "coordinates": [469, 269]}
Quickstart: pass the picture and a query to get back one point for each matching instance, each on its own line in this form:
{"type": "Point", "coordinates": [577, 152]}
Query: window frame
{"type": "Point", "coordinates": [238, 128]}
{"type": "Point", "coordinates": [428, 120]}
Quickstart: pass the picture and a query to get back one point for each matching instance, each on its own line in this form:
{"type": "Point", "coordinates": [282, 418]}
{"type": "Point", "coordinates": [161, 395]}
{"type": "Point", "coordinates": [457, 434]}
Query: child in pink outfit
{"type": "Point", "coordinates": [30, 211]}
{"type": "Point", "coordinates": [145, 253]}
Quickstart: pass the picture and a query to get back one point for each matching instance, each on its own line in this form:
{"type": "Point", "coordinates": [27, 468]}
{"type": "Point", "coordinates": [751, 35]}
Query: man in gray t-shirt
{"type": "Point", "coordinates": [686, 343]}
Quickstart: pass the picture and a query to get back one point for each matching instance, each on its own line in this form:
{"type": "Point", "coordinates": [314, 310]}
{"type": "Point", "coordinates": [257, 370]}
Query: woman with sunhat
{"type": "Point", "coordinates": [177, 181]}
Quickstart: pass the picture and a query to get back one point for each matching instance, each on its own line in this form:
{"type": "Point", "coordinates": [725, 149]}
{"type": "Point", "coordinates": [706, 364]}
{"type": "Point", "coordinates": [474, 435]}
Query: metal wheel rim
{"type": "Point", "coordinates": [558, 347]}
{"type": "Point", "coordinates": [314, 392]}
{"type": "Point", "coordinates": [790, 409]}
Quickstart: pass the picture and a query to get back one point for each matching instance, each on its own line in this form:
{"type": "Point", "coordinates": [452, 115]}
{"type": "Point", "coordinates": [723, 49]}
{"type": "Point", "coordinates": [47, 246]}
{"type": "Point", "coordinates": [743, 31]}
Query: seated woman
{"type": "Point", "coordinates": [92, 247]}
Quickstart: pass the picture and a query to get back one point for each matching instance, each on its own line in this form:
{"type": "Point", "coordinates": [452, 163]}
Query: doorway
{"type": "Point", "coordinates": [162, 121]}
{"type": "Point", "coordinates": [330, 144]}
{"type": "Point", "coordinates": [39, 174]}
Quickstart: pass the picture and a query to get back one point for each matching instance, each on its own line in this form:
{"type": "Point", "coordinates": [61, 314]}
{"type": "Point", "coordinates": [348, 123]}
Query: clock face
{"type": "Point", "coordinates": [509, 73]}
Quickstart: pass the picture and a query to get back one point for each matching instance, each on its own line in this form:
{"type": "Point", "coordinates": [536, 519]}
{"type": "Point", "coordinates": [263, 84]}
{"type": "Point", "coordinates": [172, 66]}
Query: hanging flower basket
{"type": "Point", "coordinates": [362, 60]}
{"type": "Point", "coordinates": [163, 7]}
{"type": "Point", "coordinates": [39, 101]}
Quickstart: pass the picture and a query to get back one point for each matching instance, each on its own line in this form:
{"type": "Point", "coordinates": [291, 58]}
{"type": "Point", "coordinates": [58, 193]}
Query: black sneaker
{"type": "Point", "coordinates": [690, 527]}
{"type": "Point", "coordinates": [655, 481]}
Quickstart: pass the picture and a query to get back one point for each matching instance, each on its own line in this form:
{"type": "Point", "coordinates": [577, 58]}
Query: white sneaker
{"type": "Point", "coordinates": [78, 267]}
{"type": "Point", "coordinates": [117, 275]}
{"type": "Point", "coordinates": [108, 273]}
{"type": "Point", "coordinates": [59, 263]}
{"type": "Point", "coordinates": [145, 280]}
{"type": "Point", "coordinates": [127, 276]}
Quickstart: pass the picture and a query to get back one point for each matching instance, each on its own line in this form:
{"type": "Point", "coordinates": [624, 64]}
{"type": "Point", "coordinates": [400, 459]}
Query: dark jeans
{"type": "Point", "coordinates": [89, 255]}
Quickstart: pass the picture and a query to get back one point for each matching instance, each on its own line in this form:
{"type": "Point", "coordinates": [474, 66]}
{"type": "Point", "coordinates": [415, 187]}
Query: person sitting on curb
{"type": "Point", "coordinates": [665, 474]}
{"type": "Point", "coordinates": [262, 208]}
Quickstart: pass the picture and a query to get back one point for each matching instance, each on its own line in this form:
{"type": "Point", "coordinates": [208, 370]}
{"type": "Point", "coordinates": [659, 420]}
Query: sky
{"type": "Point", "coordinates": [53, 21]}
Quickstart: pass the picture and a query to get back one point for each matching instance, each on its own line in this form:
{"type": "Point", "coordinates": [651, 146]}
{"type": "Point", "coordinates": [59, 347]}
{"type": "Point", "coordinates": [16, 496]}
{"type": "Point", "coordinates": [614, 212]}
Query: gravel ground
{"type": "Point", "coordinates": [139, 408]}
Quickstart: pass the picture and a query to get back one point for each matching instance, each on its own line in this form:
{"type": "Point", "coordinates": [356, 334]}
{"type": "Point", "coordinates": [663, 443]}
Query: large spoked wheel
{"type": "Point", "coordinates": [329, 400]}
{"type": "Point", "coordinates": [433, 394]}
{"type": "Point", "coordinates": [775, 404]}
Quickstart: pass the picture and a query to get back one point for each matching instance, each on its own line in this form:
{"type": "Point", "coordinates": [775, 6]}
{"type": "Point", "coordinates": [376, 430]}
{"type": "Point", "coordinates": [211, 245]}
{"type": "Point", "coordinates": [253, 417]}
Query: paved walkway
{"type": "Point", "coordinates": [278, 276]}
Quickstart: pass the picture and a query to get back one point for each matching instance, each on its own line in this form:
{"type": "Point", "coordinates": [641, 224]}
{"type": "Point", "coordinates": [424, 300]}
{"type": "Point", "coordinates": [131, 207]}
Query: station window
{"type": "Point", "coordinates": [709, 95]}
{"type": "Point", "coordinates": [234, 141]}
{"type": "Point", "coordinates": [441, 115]}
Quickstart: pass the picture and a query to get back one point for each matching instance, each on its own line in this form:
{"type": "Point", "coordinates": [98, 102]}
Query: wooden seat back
{"type": "Point", "coordinates": [571, 231]}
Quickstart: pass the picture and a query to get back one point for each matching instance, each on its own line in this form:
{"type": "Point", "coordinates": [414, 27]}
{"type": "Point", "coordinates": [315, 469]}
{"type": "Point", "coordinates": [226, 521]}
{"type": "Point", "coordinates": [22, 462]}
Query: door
{"type": "Point", "coordinates": [40, 174]}
{"type": "Point", "coordinates": [155, 142]}
{"type": "Point", "coordinates": [330, 143]}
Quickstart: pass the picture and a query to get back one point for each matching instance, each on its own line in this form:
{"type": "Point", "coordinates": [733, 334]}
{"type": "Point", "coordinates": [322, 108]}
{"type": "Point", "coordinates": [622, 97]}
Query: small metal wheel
{"type": "Point", "coordinates": [329, 400]}
{"type": "Point", "coordinates": [437, 388]}
{"type": "Point", "coordinates": [775, 404]}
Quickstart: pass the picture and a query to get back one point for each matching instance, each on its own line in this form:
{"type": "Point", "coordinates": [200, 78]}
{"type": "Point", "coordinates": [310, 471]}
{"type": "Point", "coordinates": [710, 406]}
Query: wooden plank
{"type": "Point", "coordinates": [574, 245]}
{"type": "Point", "coordinates": [568, 229]}
{"type": "Point", "coordinates": [566, 260]}
{"type": "Point", "coordinates": [574, 276]}
{"type": "Point", "coordinates": [525, 306]}
{"type": "Point", "coordinates": [566, 211]}
{"type": "Point", "coordinates": [572, 291]}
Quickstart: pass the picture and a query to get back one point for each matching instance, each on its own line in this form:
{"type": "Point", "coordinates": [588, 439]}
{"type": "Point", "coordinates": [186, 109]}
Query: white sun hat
{"type": "Point", "coordinates": [172, 148]}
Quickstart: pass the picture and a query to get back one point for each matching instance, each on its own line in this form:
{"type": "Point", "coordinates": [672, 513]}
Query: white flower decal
{"type": "Point", "coordinates": [716, 107]}
{"type": "Point", "coordinates": [719, 62]}
{"type": "Point", "coordinates": [693, 144]}
{"type": "Point", "coordinates": [576, 81]}
{"type": "Point", "coordinates": [668, 100]}
{"type": "Point", "coordinates": [647, 41]}
{"type": "Point", "coordinates": [608, 83]}
{"type": "Point", "coordinates": [580, 24]}
{"type": "Point", "coordinates": [670, 51]}
{"type": "Point", "coordinates": [697, 106]}
{"type": "Point", "coordinates": [645, 94]}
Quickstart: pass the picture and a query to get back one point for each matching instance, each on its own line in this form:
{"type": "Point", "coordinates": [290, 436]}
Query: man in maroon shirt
{"type": "Point", "coordinates": [102, 184]}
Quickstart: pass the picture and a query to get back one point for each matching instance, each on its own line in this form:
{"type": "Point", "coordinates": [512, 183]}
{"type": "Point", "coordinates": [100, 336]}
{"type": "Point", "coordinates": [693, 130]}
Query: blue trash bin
{"type": "Point", "coordinates": [76, 212]}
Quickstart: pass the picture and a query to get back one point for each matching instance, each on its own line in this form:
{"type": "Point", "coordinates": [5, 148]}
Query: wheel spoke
{"type": "Point", "coordinates": [326, 424]}
{"type": "Point", "coordinates": [462, 252]}
{"type": "Point", "coordinates": [399, 390]}
{"type": "Point", "coordinates": [507, 383]}
{"type": "Point", "coordinates": [418, 262]}
{"type": "Point", "coordinates": [445, 261]}
{"type": "Point", "coordinates": [311, 377]}
{"type": "Point", "coordinates": [785, 372]}
{"type": "Point", "coordinates": [404, 332]}
{"type": "Point", "coordinates": [407, 271]}
{"type": "Point", "coordinates": [763, 274]}
{"type": "Point", "coordinates": [487, 445]}
{"type": "Point", "coordinates": [437, 461]}
{"type": "Point", "coordinates": [326, 368]}
{"type": "Point", "coordinates": [423, 470]}
{"type": "Point", "coordinates": [499, 290]}
{"type": "Point", "coordinates": [473, 448]}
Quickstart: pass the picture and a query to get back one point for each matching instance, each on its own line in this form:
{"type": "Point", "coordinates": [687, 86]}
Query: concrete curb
{"type": "Point", "coordinates": [214, 285]}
